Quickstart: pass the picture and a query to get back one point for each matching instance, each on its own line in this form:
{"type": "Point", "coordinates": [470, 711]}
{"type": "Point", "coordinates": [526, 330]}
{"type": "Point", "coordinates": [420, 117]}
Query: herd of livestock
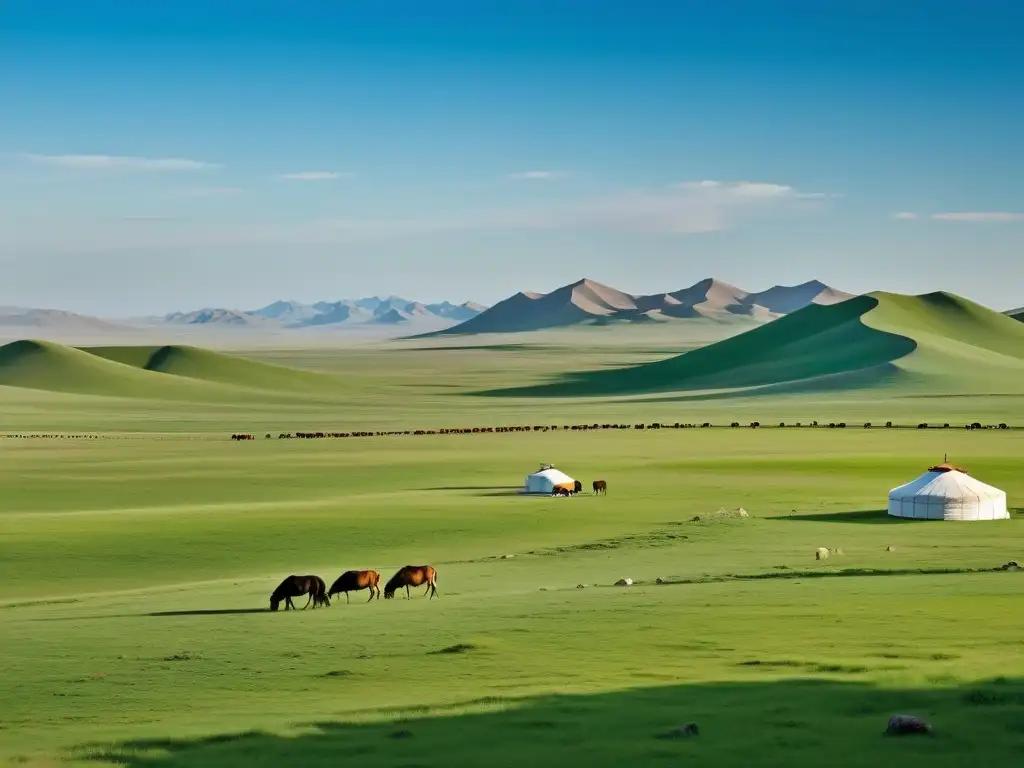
{"type": "Point", "coordinates": [592, 427]}
{"type": "Point", "coordinates": [352, 581]}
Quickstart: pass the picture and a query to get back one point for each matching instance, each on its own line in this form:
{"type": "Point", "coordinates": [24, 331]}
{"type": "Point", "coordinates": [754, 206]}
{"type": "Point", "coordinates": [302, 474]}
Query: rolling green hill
{"type": "Point", "coordinates": [205, 365]}
{"type": "Point", "coordinates": [54, 367]}
{"type": "Point", "coordinates": [934, 342]}
{"type": "Point", "coordinates": [158, 373]}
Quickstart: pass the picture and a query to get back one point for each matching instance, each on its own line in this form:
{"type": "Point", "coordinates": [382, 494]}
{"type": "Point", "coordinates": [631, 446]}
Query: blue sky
{"type": "Point", "coordinates": [158, 156]}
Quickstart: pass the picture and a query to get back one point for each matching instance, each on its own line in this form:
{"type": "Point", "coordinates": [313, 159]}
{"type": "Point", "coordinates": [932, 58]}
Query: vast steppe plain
{"type": "Point", "coordinates": [137, 553]}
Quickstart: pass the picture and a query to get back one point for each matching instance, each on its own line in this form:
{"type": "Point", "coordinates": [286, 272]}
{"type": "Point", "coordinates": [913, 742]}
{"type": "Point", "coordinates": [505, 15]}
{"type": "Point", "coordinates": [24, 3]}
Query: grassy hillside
{"type": "Point", "coordinates": [42, 365]}
{"type": "Point", "coordinates": [170, 373]}
{"type": "Point", "coordinates": [938, 341]}
{"type": "Point", "coordinates": [206, 365]}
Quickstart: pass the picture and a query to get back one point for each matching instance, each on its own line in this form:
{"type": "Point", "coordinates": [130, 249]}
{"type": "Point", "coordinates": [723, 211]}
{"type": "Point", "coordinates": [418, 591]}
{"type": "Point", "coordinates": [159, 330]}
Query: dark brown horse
{"type": "Point", "coordinates": [577, 486]}
{"type": "Point", "coordinates": [296, 586]}
{"type": "Point", "coordinates": [412, 576]}
{"type": "Point", "coordinates": [600, 486]}
{"type": "Point", "coordinates": [353, 581]}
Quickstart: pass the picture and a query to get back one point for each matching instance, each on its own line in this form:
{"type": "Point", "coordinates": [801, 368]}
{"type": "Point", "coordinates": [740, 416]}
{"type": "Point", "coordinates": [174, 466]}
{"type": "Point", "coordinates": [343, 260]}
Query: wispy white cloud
{"type": "Point", "coordinates": [905, 216]}
{"type": "Point", "coordinates": [120, 163]}
{"type": "Point", "coordinates": [738, 188]}
{"type": "Point", "coordinates": [979, 216]}
{"type": "Point", "coordinates": [533, 175]}
{"type": "Point", "coordinates": [313, 175]}
{"type": "Point", "coordinates": [680, 209]}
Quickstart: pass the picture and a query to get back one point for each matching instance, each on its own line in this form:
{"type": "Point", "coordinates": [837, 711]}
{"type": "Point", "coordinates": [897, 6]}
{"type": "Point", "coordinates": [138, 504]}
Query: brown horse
{"type": "Point", "coordinates": [296, 586]}
{"type": "Point", "coordinates": [353, 581]}
{"type": "Point", "coordinates": [600, 486]}
{"type": "Point", "coordinates": [412, 576]}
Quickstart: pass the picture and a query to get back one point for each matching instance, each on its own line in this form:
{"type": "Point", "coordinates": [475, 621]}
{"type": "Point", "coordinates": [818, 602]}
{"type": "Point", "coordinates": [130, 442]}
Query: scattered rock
{"type": "Point", "coordinates": [1013, 565]}
{"type": "Point", "coordinates": [507, 557]}
{"type": "Point", "coordinates": [821, 553]}
{"type": "Point", "coordinates": [543, 589]}
{"type": "Point", "coordinates": [724, 513]}
{"type": "Point", "coordinates": [659, 580]}
{"type": "Point", "coordinates": [580, 586]}
{"type": "Point", "coordinates": [903, 725]}
{"type": "Point", "coordinates": [624, 583]}
{"type": "Point", "coordinates": [695, 519]}
{"type": "Point", "coordinates": [890, 548]}
{"type": "Point", "coordinates": [685, 731]}
{"type": "Point", "coordinates": [837, 551]}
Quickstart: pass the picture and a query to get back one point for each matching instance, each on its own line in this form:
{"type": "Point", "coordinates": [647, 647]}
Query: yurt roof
{"type": "Point", "coordinates": [946, 483]}
{"type": "Point", "coordinates": [947, 467]}
{"type": "Point", "coordinates": [554, 475]}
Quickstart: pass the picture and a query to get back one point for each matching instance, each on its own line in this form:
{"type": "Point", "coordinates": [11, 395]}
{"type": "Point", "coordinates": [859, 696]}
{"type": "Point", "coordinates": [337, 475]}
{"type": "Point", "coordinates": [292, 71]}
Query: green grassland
{"type": "Point", "coordinates": [135, 569]}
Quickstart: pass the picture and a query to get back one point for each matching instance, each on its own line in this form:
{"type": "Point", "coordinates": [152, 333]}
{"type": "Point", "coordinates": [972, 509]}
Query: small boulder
{"type": "Point", "coordinates": [624, 583]}
{"type": "Point", "coordinates": [741, 512]}
{"type": "Point", "coordinates": [507, 557]}
{"type": "Point", "coordinates": [580, 586]}
{"type": "Point", "coordinates": [659, 580]}
{"type": "Point", "coordinates": [1013, 565]}
{"type": "Point", "coordinates": [903, 725]}
{"type": "Point", "coordinates": [821, 553]}
{"type": "Point", "coordinates": [890, 548]}
{"type": "Point", "coordinates": [695, 519]}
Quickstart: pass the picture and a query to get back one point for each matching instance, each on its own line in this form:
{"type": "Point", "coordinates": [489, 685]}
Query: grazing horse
{"type": "Point", "coordinates": [296, 586]}
{"type": "Point", "coordinates": [412, 576]}
{"type": "Point", "coordinates": [600, 486]}
{"type": "Point", "coordinates": [353, 581]}
{"type": "Point", "coordinates": [577, 486]}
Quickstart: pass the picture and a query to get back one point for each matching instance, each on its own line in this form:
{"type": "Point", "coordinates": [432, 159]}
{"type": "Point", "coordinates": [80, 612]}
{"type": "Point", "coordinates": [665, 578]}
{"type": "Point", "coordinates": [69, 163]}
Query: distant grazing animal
{"type": "Point", "coordinates": [561, 490]}
{"type": "Point", "coordinates": [412, 576]}
{"type": "Point", "coordinates": [600, 486]}
{"type": "Point", "coordinates": [353, 581]}
{"type": "Point", "coordinates": [296, 586]}
{"type": "Point", "coordinates": [577, 486]}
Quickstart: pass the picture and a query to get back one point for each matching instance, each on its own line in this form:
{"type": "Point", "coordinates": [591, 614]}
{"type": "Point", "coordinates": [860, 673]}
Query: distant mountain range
{"type": "Point", "coordinates": [587, 302]}
{"type": "Point", "coordinates": [582, 303]}
{"type": "Point", "coordinates": [373, 310]}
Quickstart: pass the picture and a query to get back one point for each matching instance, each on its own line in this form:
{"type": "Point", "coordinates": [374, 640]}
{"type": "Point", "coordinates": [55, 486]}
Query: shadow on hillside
{"type": "Point", "coordinates": [788, 722]}
{"type": "Point", "coordinates": [211, 612]}
{"type": "Point", "coordinates": [471, 488]}
{"type": "Point", "coordinates": [862, 516]}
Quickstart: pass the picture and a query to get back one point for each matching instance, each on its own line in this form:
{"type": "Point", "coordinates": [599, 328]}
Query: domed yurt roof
{"type": "Point", "coordinates": [947, 492]}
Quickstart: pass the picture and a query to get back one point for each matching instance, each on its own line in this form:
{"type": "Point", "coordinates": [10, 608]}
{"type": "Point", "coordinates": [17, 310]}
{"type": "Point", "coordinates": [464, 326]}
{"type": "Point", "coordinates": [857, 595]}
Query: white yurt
{"type": "Point", "coordinates": [946, 492]}
{"type": "Point", "coordinates": [545, 480]}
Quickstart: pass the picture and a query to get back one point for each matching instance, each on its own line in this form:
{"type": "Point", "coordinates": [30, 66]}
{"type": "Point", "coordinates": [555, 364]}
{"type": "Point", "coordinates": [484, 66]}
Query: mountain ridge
{"type": "Point", "coordinates": [587, 301]}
